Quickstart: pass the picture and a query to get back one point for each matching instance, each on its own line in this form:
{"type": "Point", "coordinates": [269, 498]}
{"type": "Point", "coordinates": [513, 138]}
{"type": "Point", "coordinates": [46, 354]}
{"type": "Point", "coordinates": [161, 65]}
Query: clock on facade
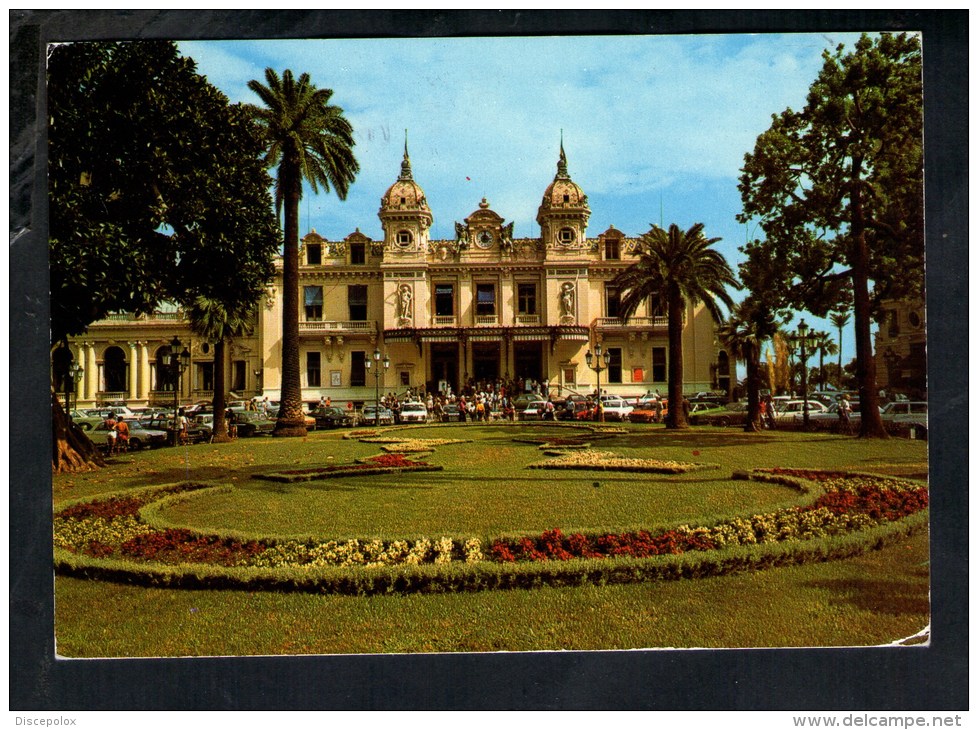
{"type": "Point", "coordinates": [484, 239]}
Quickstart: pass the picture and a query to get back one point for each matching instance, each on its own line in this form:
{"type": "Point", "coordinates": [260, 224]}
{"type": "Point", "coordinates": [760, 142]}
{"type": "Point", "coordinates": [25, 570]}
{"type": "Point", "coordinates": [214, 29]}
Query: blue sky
{"type": "Point", "coordinates": [655, 127]}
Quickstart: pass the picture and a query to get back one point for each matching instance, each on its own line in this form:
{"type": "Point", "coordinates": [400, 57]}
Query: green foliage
{"type": "Point", "coordinates": [306, 138]}
{"type": "Point", "coordinates": [157, 187]}
{"type": "Point", "coordinates": [676, 268]}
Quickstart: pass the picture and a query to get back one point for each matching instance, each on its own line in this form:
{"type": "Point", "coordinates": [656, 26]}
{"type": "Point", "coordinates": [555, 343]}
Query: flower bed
{"type": "Point", "coordinates": [384, 464]}
{"type": "Point", "coordinates": [609, 461]}
{"type": "Point", "coordinates": [111, 538]}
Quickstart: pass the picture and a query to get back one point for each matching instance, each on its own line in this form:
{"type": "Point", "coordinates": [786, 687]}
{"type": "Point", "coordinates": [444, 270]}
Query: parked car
{"type": "Point", "coordinates": [534, 411]}
{"type": "Point", "coordinates": [370, 413]}
{"type": "Point", "coordinates": [139, 436]}
{"type": "Point", "coordinates": [414, 412]}
{"type": "Point", "coordinates": [253, 423]}
{"type": "Point", "coordinates": [197, 431]}
{"type": "Point", "coordinates": [104, 412]}
{"type": "Point", "coordinates": [787, 410]}
{"type": "Point", "coordinates": [905, 412]}
{"type": "Point", "coordinates": [83, 421]}
{"type": "Point", "coordinates": [332, 417]}
{"type": "Point", "coordinates": [450, 412]}
{"type": "Point", "coordinates": [732, 414]}
{"type": "Point", "coordinates": [616, 409]}
{"type": "Point", "coordinates": [648, 411]}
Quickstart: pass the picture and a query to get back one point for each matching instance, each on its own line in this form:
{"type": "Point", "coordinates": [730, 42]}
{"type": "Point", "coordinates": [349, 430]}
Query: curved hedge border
{"type": "Point", "coordinates": [609, 461]}
{"type": "Point", "coordinates": [392, 463]}
{"type": "Point", "coordinates": [841, 522]}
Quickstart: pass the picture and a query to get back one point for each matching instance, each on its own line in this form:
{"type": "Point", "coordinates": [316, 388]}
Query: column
{"type": "Point", "coordinates": [144, 378]}
{"type": "Point", "coordinates": [91, 372]}
{"type": "Point", "coordinates": [133, 370]}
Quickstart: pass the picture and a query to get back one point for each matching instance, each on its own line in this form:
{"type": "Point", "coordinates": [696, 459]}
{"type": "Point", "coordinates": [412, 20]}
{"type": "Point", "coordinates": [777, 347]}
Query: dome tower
{"type": "Point", "coordinates": [564, 212]}
{"type": "Point", "coordinates": [404, 213]}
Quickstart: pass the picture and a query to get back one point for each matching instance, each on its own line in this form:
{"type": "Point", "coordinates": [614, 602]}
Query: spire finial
{"type": "Point", "coordinates": [562, 161]}
{"type": "Point", "coordinates": [406, 162]}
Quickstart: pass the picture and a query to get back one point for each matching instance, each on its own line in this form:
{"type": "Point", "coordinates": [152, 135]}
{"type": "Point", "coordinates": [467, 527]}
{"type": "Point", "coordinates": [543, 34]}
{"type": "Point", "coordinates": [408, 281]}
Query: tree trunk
{"type": "Point", "coordinates": [290, 420]}
{"type": "Point", "coordinates": [677, 413]}
{"type": "Point", "coordinates": [220, 434]}
{"type": "Point", "coordinates": [72, 450]}
{"type": "Point", "coordinates": [871, 423]}
{"type": "Point", "coordinates": [753, 365]}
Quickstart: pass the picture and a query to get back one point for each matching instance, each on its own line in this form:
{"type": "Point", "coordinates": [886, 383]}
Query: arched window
{"type": "Point", "coordinates": [162, 378]}
{"type": "Point", "coordinates": [116, 370]}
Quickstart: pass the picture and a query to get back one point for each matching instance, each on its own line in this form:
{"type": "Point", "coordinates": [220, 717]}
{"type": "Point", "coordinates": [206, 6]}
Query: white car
{"type": "Point", "coordinates": [616, 409]}
{"type": "Point", "coordinates": [414, 413]}
{"type": "Point", "coordinates": [795, 409]}
{"type": "Point", "coordinates": [905, 412]}
{"type": "Point", "coordinates": [534, 411]}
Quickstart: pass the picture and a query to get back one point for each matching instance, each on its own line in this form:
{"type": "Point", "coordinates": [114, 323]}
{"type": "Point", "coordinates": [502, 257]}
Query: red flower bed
{"type": "Point", "coordinates": [177, 545]}
{"type": "Point", "coordinates": [869, 498]}
{"type": "Point", "coordinates": [105, 509]}
{"type": "Point", "coordinates": [814, 476]}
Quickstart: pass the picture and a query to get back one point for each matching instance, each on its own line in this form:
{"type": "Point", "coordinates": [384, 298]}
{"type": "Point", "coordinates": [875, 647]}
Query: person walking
{"type": "Point", "coordinates": [845, 410]}
{"type": "Point", "coordinates": [122, 435]}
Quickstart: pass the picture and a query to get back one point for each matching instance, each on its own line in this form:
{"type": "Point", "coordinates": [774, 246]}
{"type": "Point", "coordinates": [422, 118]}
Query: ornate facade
{"type": "Point", "coordinates": [479, 307]}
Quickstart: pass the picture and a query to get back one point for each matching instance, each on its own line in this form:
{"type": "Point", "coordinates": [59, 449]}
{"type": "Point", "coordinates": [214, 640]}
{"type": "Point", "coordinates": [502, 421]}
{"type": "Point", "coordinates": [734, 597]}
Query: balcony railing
{"type": "Point", "coordinates": [165, 317]}
{"type": "Point", "coordinates": [633, 322]}
{"type": "Point", "coordinates": [338, 327]}
{"type": "Point", "coordinates": [486, 319]}
{"type": "Point", "coordinates": [527, 319]}
{"type": "Point", "coordinates": [443, 320]}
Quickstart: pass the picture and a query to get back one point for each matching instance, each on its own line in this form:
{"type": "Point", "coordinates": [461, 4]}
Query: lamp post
{"type": "Point", "coordinates": [804, 338]}
{"type": "Point", "coordinates": [377, 372]}
{"type": "Point", "coordinates": [597, 368]}
{"type": "Point", "coordinates": [179, 361]}
{"type": "Point", "coordinates": [258, 380]}
{"type": "Point", "coordinates": [74, 372]}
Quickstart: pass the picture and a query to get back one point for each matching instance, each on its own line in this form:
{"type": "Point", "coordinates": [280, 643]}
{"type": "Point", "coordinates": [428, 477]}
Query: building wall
{"type": "Point", "coordinates": [398, 275]}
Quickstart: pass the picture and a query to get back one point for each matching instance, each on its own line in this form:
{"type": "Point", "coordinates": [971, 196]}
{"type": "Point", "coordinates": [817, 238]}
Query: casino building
{"type": "Point", "coordinates": [443, 313]}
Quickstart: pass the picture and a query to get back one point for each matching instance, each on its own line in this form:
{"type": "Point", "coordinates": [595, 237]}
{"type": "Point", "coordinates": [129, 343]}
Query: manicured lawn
{"type": "Point", "coordinates": [874, 599]}
{"type": "Point", "coordinates": [485, 490]}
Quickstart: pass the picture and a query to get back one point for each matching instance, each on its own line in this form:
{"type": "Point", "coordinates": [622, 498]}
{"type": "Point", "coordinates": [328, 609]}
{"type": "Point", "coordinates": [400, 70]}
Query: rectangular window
{"type": "Point", "coordinates": [485, 299]}
{"type": "Point", "coordinates": [314, 254]}
{"type": "Point", "coordinates": [405, 378]}
{"type": "Point", "coordinates": [612, 301]}
{"type": "Point", "coordinates": [444, 300]}
{"type": "Point", "coordinates": [570, 376]}
{"type": "Point", "coordinates": [612, 249]}
{"type": "Point", "coordinates": [205, 375]}
{"type": "Point", "coordinates": [313, 370]}
{"type": "Point", "coordinates": [358, 253]}
{"type": "Point", "coordinates": [357, 298]}
{"type": "Point", "coordinates": [526, 296]}
{"type": "Point", "coordinates": [638, 375]}
{"type": "Point", "coordinates": [658, 364]}
{"type": "Point", "coordinates": [358, 369]}
{"type": "Point", "coordinates": [313, 303]}
{"type": "Point", "coordinates": [238, 375]}
{"type": "Point", "coordinates": [614, 365]}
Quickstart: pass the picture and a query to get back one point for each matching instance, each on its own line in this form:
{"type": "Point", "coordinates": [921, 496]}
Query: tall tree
{"type": "Point", "coordinates": [839, 191]}
{"type": "Point", "coordinates": [307, 139]}
{"type": "Point", "coordinates": [823, 346]}
{"type": "Point", "coordinates": [779, 364]}
{"type": "Point", "coordinates": [750, 323]}
{"type": "Point", "coordinates": [157, 187]}
{"type": "Point", "coordinates": [218, 321]}
{"type": "Point", "coordinates": [839, 321]}
{"type": "Point", "coordinates": [676, 268]}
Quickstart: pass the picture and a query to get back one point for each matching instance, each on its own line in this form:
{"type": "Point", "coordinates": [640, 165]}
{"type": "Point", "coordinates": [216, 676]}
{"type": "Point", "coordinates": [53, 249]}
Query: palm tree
{"type": "Point", "coordinates": [840, 320]}
{"type": "Point", "coordinates": [218, 322]}
{"type": "Point", "coordinates": [742, 334]}
{"type": "Point", "coordinates": [308, 140]}
{"type": "Point", "coordinates": [823, 346]}
{"type": "Point", "coordinates": [676, 268]}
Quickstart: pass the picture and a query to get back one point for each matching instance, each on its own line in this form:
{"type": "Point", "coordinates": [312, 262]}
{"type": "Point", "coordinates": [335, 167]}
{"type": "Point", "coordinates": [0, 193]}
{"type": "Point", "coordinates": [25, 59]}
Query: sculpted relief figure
{"type": "Point", "coordinates": [567, 300]}
{"type": "Point", "coordinates": [404, 309]}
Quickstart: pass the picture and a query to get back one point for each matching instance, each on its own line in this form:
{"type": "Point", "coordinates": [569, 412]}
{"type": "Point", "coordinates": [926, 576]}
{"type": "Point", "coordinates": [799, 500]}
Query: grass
{"type": "Point", "coordinates": [873, 599]}
{"type": "Point", "coordinates": [485, 490]}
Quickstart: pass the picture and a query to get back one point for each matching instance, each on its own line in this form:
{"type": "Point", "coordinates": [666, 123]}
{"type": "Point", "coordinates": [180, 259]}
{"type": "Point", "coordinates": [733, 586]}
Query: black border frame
{"type": "Point", "coordinates": [929, 678]}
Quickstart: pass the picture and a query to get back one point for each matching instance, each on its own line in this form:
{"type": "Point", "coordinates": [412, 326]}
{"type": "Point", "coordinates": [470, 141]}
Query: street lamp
{"type": "Point", "coordinates": [804, 338]}
{"type": "Point", "coordinates": [377, 373]}
{"type": "Point", "coordinates": [179, 361]}
{"type": "Point", "coordinates": [596, 367]}
{"type": "Point", "coordinates": [74, 373]}
{"type": "Point", "coordinates": [258, 380]}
